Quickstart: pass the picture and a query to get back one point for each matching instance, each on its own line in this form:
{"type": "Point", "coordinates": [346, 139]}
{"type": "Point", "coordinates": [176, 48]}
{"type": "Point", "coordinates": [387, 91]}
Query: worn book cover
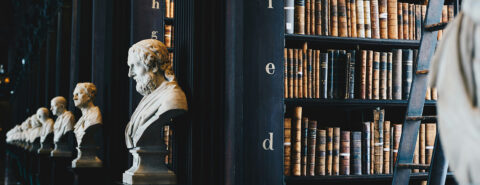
{"type": "Point", "coordinates": [312, 142]}
{"type": "Point", "coordinates": [356, 157]}
{"type": "Point", "coordinates": [287, 145]}
{"type": "Point", "coordinates": [375, 19]}
{"type": "Point", "coordinates": [299, 16]}
{"type": "Point", "coordinates": [297, 142]}
{"type": "Point", "coordinates": [345, 153]}
{"type": "Point", "coordinates": [321, 152]}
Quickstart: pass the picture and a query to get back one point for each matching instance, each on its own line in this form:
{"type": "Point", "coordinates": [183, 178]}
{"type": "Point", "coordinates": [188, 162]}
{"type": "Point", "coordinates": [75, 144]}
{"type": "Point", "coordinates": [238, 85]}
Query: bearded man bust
{"type": "Point", "coordinates": [163, 101]}
{"type": "Point", "coordinates": [63, 127]}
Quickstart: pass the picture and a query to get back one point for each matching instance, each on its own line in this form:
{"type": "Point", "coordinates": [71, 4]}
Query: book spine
{"type": "Point", "coordinates": [360, 19]}
{"type": "Point", "coordinates": [345, 153]}
{"type": "Point", "coordinates": [351, 80]}
{"type": "Point", "coordinates": [378, 167]}
{"type": "Point", "coordinates": [311, 60]}
{"type": "Point", "coordinates": [349, 18]}
{"type": "Point", "coordinates": [397, 74]}
{"type": "Point", "coordinates": [375, 19]}
{"type": "Point", "coordinates": [376, 76]}
{"type": "Point", "coordinates": [297, 139]}
{"type": "Point", "coordinates": [428, 94]}
{"type": "Point", "coordinates": [333, 18]}
{"type": "Point", "coordinates": [285, 73]}
{"type": "Point", "coordinates": [299, 17]}
{"type": "Point", "coordinates": [396, 141]}
{"type": "Point", "coordinates": [301, 66]}
{"type": "Point", "coordinates": [336, 151]}
{"type": "Point", "coordinates": [167, 8]}
{"type": "Point", "coordinates": [168, 36]}
{"type": "Point", "coordinates": [172, 8]}
{"type": "Point", "coordinates": [342, 18]}
{"type": "Point", "coordinates": [289, 14]}
{"type": "Point", "coordinates": [363, 75]}
{"type": "Point", "coordinates": [418, 22]}
{"type": "Point", "coordinates": [366, 153]}
{"type": "Point", "coordinates": [304, 146]}
{"type": "Point", "coordinates": [411, 14]}
{"type": "Point", "coordinates": [331, 65]}
{"type": "Point", "coordinates": [346, 91]}
{"type": "Point", "coordinates": [392, 19]}
{"type": "Point", "coordinates": [407, 57]}
{"type": "Point", "coordinates": [383, 18]}
{"type": "Point", "coordinates": [318, 17]}
{"type": "Point", "coordinates": [353, 18]}
{"type": "Point", "coordinates": [434, 93]}
{"type": "Point", "coordinates": [290, 73]}
{"type": "Point", "coordinates": [296, 80]}
{"type": "Point", "coordinates": [325, 17]}
{"type": "Point", "coordinates": [312, 141]}
{"type": "Point", "coordinates": [312, 16]}
{"type": "Point", "coordinates": [317, 74]}
{"type": "Point", "coordinates": [415, 155]}
{"type": "Point", "coordinates": [356, 153]}
{"type": "Point", "coordinates": [451, 12]}
{"type": "Point", "coordinates": [329, 155]}
{"type": "Point", "coordinates": [422, 145]}
{"type": "Point", "coordinates": [372, 147]}
{"type": "Point", "coordinates": [383, 75]}
{"type": "Point", "coordinates": [321, 151]}
{"type": "Point", "coordinates": [400, 20]}
{"type": "Point", "coordinates": [306, 59]}
{"type": "Point", "coordinates": [324, 75]}
{"type": "Point", "coordinates": [366, 12]}
{"type": "Point", "coordinates": [430, 132]}
{"type": "Point", "coordinates": [405, 21]}
{"type": "Point", "coordinates": [369, 85]}
{"type": "Point", "coordinates": [389, 75]}
{"type": "Point", "coordinates": [307, 17]}
{"type": "Point", "coordinates": [166, 138]}
{"type": "Point", "coordinates": [386, 148]}
{"type": "Point", "coordinates": [287, 144]}
{"type": "Point", "coordinates": [340, 74]}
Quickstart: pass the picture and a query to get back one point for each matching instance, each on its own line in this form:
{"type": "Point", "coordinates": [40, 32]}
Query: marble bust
{"type": "Point", "coordinates": [62, 127]}
{"type": "Point", "coordinates": [88, 128]}
{"type": "Point", "coordinates": [163, 100]}
{"type": "Point", "coordinates": [34, 133]}
{"type": "Point", "coordinates": [46, 134]}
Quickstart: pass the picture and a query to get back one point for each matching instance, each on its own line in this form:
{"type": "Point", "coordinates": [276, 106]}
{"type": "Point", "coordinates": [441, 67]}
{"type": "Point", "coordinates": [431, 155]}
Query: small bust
{"type": "Point", "coordinates": [65, 119]}
{"type": "Point", "coordinates": [46, 121]}
{"type": "Point", "coordinates": [83, 97]}
{"type": "Point", "coordinates": [36, 130]}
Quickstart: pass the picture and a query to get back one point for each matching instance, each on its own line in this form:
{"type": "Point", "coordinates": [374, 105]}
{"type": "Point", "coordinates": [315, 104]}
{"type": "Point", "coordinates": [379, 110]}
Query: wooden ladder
{"type": "Point", "coordinates": [404, 165]}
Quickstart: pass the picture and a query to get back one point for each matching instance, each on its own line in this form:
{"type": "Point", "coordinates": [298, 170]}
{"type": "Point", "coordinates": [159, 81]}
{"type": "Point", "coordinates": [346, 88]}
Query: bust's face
{"type": "Point", "coordinates": [80, 97]}
{"type": "Point", "coordinates": [56, 108]}
{"type": "Point", "coordinates": [141, 74]}
{"type": "Point", "coordinates": [41, 115]}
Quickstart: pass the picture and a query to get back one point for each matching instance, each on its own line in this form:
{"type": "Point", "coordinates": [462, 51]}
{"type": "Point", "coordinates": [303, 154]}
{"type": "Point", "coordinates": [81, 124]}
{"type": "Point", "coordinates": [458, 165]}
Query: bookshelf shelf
{"type": "Point", "coordinates": [351, 103]}
{"type": "Point", "coordinates": [349, 41]}
{"type": "Point", "coordinates": [169, 21]}
{"type": "Point", "coordinates": [354, 178]}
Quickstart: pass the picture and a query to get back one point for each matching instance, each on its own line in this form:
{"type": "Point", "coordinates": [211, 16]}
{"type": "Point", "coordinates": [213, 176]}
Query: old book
{"type": "Point", "coordinates": [169, 146]}
{"type": "Point", "coordinates": [451, 12]}
{"type": "Point", "coordinates": [407, 63]}
{"type": "Point", "coordinates": [397, 74]}
{"type": "Point", "coordinates": [372, 147]}
{"type": "Point", "coordinates": [342, 18]}
{"type": "Point", "coordinates": [363, 74]}
{"type": "Point", "coordinates": [411, 15]}
{"type": "Point", "coordinates": [299, 17]}
{"type": "Point", "coordinates": [312, 16]}
{"type": "Point", "coordinates": [349, 18]}
{"type": "Point", "coordinates": [336, 151]}
{"type": "Point", "coordinates": [302, 59]}
{"type": "Point", "coordinates": [400, 19]}
{"type": "Point", "coordinates": [389, 75]}
{"type": "Point", "coordinates": [329, 159]}
{"type": "Point", "coordinates": [167, 8]}
{"type": "Point", "coordinates": [406, 21]}
{"type": "Point", "coordinates": [366, 12]}
{"type": "Point", "coordinates": [333, 18]}
{"type": "Point", "coordinates": [346, 92]}
{"type": "Point", "coordinates": [356, 157]}
{"type": "Point", "coordinates": [430, 133]}
{"type": "Point", "coordinates": [351, 75]}
{"type": "Point", "coordinates": [317, 73]}
{"type": "Point", "coordinates": [383, 18]}
{"type": "Point", "coordinates": [304, 146]}
{"type": "Point", "coordinates": [353, 18]}
{"type": "Point", "coordinates": [392, 19]}
{"type": "Point", "coordinates": [422, 145]}
{"type": "Point", "coordinates": [434, 93]}
{"type": "Point", "coordinates": [297, 56]}
{"type": "Point", "coordinates": [172, 8]}
{"type": "Point", "coordinates": [307, 17]}
{"type": "Point", "coordinates": [386, 148]}
{"type": "Point", "coordinates": [287, 145]}
{"type": "Point", "coordinates": [345, 153]}
{"type": "Point", "coordinates": [366, 152]}
{"type": "Point", "coordinates": [397, 134]}
{"type": "Point", "coordinates": [320, 153]}
{"type": "Point", "coordinates": [291, 62]}
{"type": "Point", "coordinates": [333, 55]}
{"type": "Point", "coordinates": [166, 138]}
{"type": "Point", "coordinates": [318, 17]}
{"type": "Point", "coordinates": [339, 74]}
{"type": "Point", "coordinates": [383, 75]}
{"type": "Point", "coordinates": [312, 142]}
{"type": "Point", "coordinates": [308, 86]}
{"type": "Point", "coordinates": [415, 156]}
{"type": "Point", "coordinates": [168, 36]}
{"type": "Point", "coordinates": [369, 82]}
{"type": "Point", "coordinates": [360, 19]}
{"type": "Point", "coordinates": [324, 75]}
{"type": "Point", "coordinates": [375, 23]}
{"type": "Point", "coordinates": [297, 142]}
{"type": "Point", "coordinates": [418, 22]}
{"type": "Point", "coordinates": [378, 137]}
{"type": "Point", "coordinates": [376, 76]}
{"type": "Point", "coordinates": [285, 73]}
{"type": "Point", "coordinates": [289, 14]}
{"type": "Point", "coordinates": [325, 17]}
{"type": "Point", "coordinates": [306, 59]}
{"type": "Point", "coordinates": [428, 94]}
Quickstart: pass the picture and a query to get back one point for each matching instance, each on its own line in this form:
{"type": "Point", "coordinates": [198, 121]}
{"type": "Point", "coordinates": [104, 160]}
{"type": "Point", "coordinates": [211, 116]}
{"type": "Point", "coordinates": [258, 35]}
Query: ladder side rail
{"type": "Point", "coordinates": [439, 165]}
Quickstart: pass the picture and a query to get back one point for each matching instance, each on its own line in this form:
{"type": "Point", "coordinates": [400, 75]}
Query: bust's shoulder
{"type": "Point", "coordinates": [174, 97]}
{"type": "Point", "coordinates": [68, 114]}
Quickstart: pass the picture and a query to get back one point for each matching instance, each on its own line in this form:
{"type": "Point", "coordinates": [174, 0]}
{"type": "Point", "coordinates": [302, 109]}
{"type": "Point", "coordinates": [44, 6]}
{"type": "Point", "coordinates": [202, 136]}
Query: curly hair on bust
{"type": "Point", "coordinates": [90, 88]}
{"type": "Point", "coordinates": [153, 53]}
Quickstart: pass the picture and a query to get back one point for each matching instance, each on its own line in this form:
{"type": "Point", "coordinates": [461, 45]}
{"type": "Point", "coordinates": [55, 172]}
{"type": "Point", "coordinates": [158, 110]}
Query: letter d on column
{"type": "Point", "coordinates": [270, 142]}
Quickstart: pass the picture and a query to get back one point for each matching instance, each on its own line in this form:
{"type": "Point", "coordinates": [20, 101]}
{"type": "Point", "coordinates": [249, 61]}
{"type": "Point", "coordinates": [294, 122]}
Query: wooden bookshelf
{"type": "Point", "coordinates": [357, 178]}
{"type": "Point", "coordinates": [350, 41]}
{"type": "Point", "coordinates": [169, 21]}
{"type": "Point", "coordinates": [352, 103]}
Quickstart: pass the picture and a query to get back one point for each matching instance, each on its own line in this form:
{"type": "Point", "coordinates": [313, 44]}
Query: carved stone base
{"type": "Point", "coordinates": [86, 157]}
{"type": "Point", "coordinates": [44, 148]}
{"type": "Point", "coordinates": [149, 168]}
{"type": "Point", "coordinates": [61, 150]}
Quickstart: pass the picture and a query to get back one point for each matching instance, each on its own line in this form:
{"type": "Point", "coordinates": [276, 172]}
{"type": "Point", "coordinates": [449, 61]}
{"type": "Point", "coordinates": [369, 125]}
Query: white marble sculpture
{"type": "Point", "coordinates": [63, 126]}
{"type": "Point", "coordinates": [34, 133]}
{"type": "Point", "coordinates": [162, 101]}
{"type": "Point", "coordinates": [87, 129]}
{"type": "Point", "coordinates": [12, 134]}
{"type": "Point", "coordinates": [46, 135]}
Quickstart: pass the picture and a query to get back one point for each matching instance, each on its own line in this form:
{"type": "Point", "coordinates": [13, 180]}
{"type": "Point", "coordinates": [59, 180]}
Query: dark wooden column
{"type": "Point", "coordinates": [62, 63]}
{"type": "Point", "coordinates": [50, 64]}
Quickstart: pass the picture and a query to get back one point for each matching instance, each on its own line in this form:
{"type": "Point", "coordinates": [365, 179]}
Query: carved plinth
{"type": "Point", "coordinates": [88, 148]}
{"type": "Point", "coordinates": [62, 147]}
{"type": "Point", "coordinates": [149, 167]}
{"type": "Point", "coordinates": [47, 145]}
{"type": "Point", "coordinates": [33, 147]}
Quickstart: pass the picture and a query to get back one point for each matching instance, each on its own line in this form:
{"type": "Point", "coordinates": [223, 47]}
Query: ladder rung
{"type": "Point", "coordinates": [421, 118]}
{"type": "Point", "coordinates": [421, 72]}
{"type": "Point", "coordinates": [414, 166]}
{"type": "Point", "coordinates": [436, 26]}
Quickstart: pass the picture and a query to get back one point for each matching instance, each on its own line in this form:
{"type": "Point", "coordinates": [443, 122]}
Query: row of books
{"type": "Point", "coordinates": [168, 37]}
{"type": "Point", "coordinates": [385, 19]}
{"type": "Point", "coordinates": [169, 8]}
{"type": "Point", "coordinates": [167, 138]}
{"type": "Point", "coordinates": [311, 150]}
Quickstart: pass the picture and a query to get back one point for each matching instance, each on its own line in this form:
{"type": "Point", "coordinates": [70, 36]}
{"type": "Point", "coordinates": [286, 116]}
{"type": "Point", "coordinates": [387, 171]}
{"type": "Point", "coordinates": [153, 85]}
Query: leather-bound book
{"type": "Point", "coordinates": [312, 142]}
{"type": "Point", "coordinates": [418, 22]}
{"type": "Point", "coordinates": [389, 75]}
{"type": "Point", "coordinates": [299, 17]}
{"type": "Point", "coordinates": [434, 93]}
{"type": "Point", "coordinates": [308, 86]}
{"type": "Point", "coordinates": [304, 145]}
{"type": "Point", "coordinates": [321, 152]}
{"type": "Point", "coordinates": [386, 148]}
{"type": "Point", "coordinates": [366, 152]}
{"type": "Point", "coordinates": [172, 8]}
{"type": "Point", "coordinates": [297, 56]}
{"type": "Point", "coordinates": [346, 93]}
{"type": "Point", "coordinates": [167, 8]}
{"type": "Point", "coordinates": [376, 76]}
{"type": "Point", "coordinates": [333, 18]}
{"type": "Point", "coordinates": [353, 18]}
{"type": "Point", "coordinates": [363, 75]}
{"type": "Point", "coordinates": [329, 159]}
{"type": "Point", "coordinates": [397, 134]}
{"type": "Point", "coordinates": [422, 145]}
{"type": "Point", "coordinates": [324, 75]}
{"type": "Point", "coordinates": [351, 75]}
{"type": "Point", "coordinates": [383, 18]}
{"type": "Point", "coordinates": [356, 157]}
{"type": "Point", "coordinates": [345, 153]}
{"type": "Point", "coordinates": [318, 68]}
{"type": "Point", "coordinates": [340, 75]}
{"type": "Point", "coordinates": [332, 57]}
{"type": "Point", "coordinates": [325, 17]}
{"type": "Point", "coordinates": [372, 147]}
{"type": "Point", "coordinates": [306, 59]}
{"type": "Point", "coordinates": [312, 16]}
{"type": "Point", "coordinates": [369, 82]}
{"type": "Point", "coordinates": [406, 21]}
{"type": "Point", "coordinates": [285, 72]}
{"type": "Point", "coordinates": [336, 151]}
{"type": "Point", "coordinates": [349, 18]}
{"type": "Point", "coordinates": [291, 62]}
{"type": "Point", "coordinates": [366, 12]}
{"type": "Point", "coordinates": [289, 14]}
{"type": "Point", "coordinates": [411, 14]}
{"type": "Point", "coordinates": [318, 17]}
{"type": "Point", "coordinates": [383, 75]}
{"type": "Point", "coordinates": [301, 66]}
{"type": "Point", "coordinates": [378, 139]}
{"type": "Point", "coordinates": [430, 133]}
{"type": "Point", "coordinates": [424, 13]}
{"type": "Point", "coordinates": [360, 19]}
{"type": "Point", "coordinates": [342, 18]}
{"type": "Point", "coordinates": [397, 74]}
{"type": "Point", "coordinates": [451, 12]}
{"type": "Point", "coordinates": [407, 63]}
{"type": "Point", "coordinates": [308, 23]}
{"type": "Point", "coordinates": [375, 24]}
{"type": "Point", "coordinates": [400, 19]}
{"type": "Point", "coordinates": [415, 156]}
{"type": "Point", "coordinates": [392, 19]}
{"type": "Point", "coordinates": [287, 144]}
{"type": "Point", "coordinates": [166, 138]}
{"type": "Point", "coordinates": [297, 142]}
{"type": "Point", "coordinates": [168, 36]}
{"type": "Point", "coordinates": [428, 94]}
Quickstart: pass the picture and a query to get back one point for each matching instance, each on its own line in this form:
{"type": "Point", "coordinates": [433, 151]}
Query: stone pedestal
{"type": "Point", "coordinates": [60, 174]}
{"type": "Point", "coordinates": [46, 146]}
{"type": "Point", "coordinates": [88, 149]}
{"type": "Point", "coordinates": [88, 176]}
{"type": "Point", "coordinates": [149, 167]}
{"type": "Point", "coordinates": [63, 147]}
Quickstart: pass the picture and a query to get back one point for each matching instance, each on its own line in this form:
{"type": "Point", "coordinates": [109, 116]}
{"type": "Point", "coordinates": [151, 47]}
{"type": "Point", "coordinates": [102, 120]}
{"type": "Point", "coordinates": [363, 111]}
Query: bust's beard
{"type": "Point", "coordinates": [146, 84]}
